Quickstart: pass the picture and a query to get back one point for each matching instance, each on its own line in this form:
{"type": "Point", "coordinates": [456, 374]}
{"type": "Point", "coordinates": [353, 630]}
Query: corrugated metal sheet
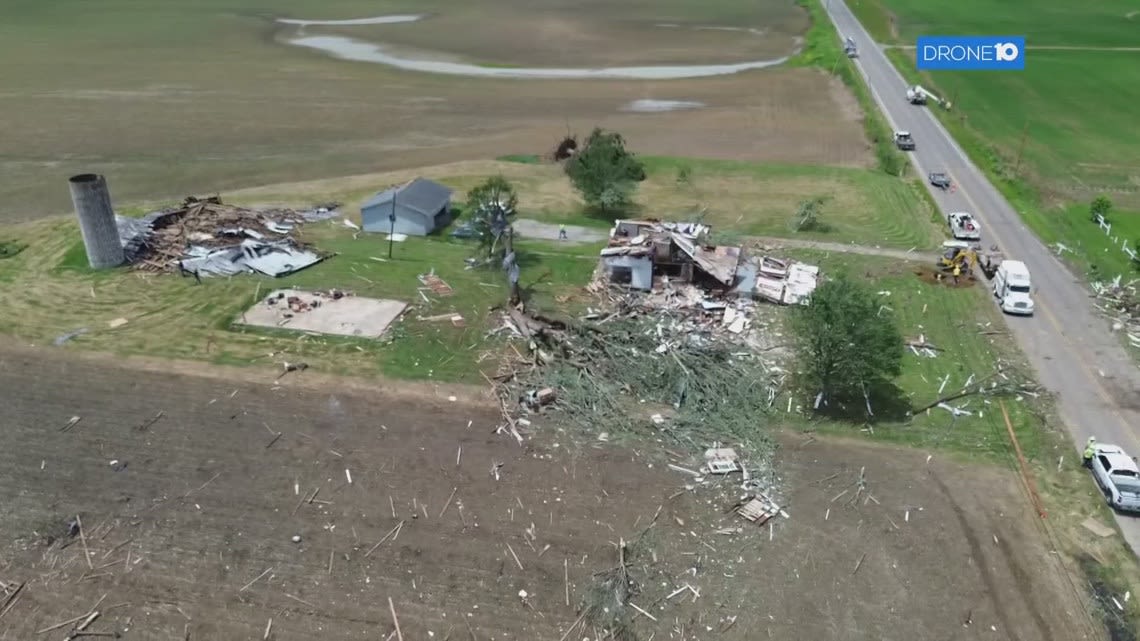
{"type": "Point", "coordinates": [271, 259]}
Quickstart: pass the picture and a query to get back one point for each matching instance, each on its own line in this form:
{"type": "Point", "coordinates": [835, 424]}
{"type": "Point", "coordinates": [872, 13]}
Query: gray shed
{"type": "Point", "coordinates": [422, 206]}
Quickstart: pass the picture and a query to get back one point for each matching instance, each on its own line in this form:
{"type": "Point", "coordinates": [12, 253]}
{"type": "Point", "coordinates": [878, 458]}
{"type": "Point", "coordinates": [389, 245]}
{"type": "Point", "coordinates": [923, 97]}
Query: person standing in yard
{"type": "Point", "coordinates": [1090, 450]}
{"type": "Point", "coordinates": [957, 273]}
{"type": "Point", "coordinates": [562, 232]}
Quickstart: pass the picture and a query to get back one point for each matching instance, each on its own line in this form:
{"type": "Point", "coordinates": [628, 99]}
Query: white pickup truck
{"type": "Point", "coordinates": [1013, 288]}
{"type": "Point", "coordinates": [963, 226]}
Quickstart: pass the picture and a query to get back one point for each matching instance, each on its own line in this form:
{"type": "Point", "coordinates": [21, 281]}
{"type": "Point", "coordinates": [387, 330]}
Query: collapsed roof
{"type": "Point", "coordinates": [211, 238]}
{"type": "Point", "coordinates": [662, 243]}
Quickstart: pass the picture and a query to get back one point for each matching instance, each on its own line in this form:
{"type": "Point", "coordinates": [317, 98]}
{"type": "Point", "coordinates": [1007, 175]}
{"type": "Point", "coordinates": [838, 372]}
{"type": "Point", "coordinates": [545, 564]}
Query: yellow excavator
{"type": "Point", "coordinates": [956, 253]}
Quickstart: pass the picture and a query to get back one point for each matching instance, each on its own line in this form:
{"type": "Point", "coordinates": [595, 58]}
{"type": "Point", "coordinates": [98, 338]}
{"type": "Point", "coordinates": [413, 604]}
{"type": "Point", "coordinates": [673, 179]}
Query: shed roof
{"type": "Point", "coordinates": [422, 195]}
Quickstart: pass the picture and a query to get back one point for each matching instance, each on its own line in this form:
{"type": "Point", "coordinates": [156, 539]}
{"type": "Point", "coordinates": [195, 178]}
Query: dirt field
{"type": "Point", "coordinates": [183, 515]}
{"type": "Point", "coordinates": [229, 106]}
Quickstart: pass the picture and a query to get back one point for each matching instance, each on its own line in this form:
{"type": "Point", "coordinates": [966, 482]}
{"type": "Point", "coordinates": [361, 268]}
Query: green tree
{"type": "Point", "coordinates": [1100, 206]}
{"type": "Point", "coordinates": [492, 206]}
{"type": "Point", "coordinates": [604, 172]}
{"type": "Point", "coordinates": [850, 348]}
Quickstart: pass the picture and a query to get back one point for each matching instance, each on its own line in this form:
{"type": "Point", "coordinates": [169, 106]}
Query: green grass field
{"type": "Point", "coordinates": [1072, 108]}
{"type": "Point", "coordinates": [172, 317]}
{"type": "Point", "coordinates": [967, 327]}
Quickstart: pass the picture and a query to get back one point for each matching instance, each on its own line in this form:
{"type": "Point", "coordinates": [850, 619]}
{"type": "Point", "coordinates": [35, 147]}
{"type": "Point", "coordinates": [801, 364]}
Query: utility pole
{"type": "Point", "coordinates": [392, 222]}
{"type": "Point", "coordinates": [1021, 147]}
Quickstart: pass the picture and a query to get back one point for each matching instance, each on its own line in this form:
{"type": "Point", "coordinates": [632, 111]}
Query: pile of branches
{"type": "Point", "coordinates": [604, 372]}
{"type": "Point", "coordinates": [1003, 382]}
{"type": "Point", "coordinates": [606, 603]}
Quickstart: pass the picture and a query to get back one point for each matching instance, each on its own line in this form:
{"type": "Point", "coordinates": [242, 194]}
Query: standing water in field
{"type": "Point", "coordinates": [357, 50]}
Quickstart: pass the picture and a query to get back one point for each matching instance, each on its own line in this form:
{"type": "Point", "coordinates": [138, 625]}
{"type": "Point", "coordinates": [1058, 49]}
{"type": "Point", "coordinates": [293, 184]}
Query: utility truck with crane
{"type": "Point", "coordinates": [918, 95]}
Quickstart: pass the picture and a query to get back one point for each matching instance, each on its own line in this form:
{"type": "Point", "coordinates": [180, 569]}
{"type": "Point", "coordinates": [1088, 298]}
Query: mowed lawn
{"type": "Point", "coordinates": [51, 293]}
{"type": "Point", "coordinates": [966, 326]}
{"type": "Point", "coordinates": [1070, 115]}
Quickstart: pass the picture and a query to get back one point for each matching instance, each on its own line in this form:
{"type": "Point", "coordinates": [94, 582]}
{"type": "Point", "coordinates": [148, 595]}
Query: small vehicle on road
{"type": "Point", "coordinates": [939, 180]}
{"type": "Point", "coordinates": [904, 141]}
{"type": "Point", "coordinates": [1118, 477]}
{"type": "Point", "coordinates": [849, 48]}
{"type": "Point", "coordinates": [963, 226]}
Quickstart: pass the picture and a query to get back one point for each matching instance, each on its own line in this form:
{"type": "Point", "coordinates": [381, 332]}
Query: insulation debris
{"type": "Point", "coordinates": [208, 238]}
{"type": "Point", "coordinates": [1120, 302]}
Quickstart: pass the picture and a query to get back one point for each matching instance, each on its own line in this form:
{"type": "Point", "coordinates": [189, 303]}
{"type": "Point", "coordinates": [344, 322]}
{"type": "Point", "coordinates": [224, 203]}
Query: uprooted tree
{"type": "Point", "coordinates": [850, 348]}
{"type": "Point", "coordinates": [604, 172]}
{"type": "Point", "coordinates": [809, 215]}
{"type": "Point", "coordinates": [493, 206]}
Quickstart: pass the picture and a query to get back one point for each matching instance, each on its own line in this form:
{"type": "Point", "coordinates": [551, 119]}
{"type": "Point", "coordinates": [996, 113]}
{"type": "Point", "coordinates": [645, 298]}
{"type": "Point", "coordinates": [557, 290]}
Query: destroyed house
{"type": "Point", "coordinates": [640, 250]}
{"type": "Point", "coordinates": [210, 238]}
{"type": "Point", "coordinates": [419, 207]}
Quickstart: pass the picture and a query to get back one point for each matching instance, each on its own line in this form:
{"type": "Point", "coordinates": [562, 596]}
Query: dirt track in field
{"type": "Point", "coordinates": [204, 500]}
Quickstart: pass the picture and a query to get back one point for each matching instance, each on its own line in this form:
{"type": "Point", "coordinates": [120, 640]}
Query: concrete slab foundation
{"type": "Point", "coordinates": [333, 312]}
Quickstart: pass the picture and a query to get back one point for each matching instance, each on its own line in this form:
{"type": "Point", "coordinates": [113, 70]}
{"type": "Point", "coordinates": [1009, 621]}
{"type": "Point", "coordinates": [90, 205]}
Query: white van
{"type": "Point", "coordinates": [1012, 288]}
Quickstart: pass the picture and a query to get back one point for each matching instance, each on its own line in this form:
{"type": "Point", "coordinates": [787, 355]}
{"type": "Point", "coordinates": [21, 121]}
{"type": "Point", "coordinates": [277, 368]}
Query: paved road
{"type": "Point", "coordinates": [1067, 343]}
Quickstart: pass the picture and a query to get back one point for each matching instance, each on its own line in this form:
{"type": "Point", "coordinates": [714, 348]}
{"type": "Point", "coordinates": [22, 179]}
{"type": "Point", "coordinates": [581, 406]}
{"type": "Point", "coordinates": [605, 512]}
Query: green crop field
{"type": "Point", "coordinates": [1055, 135]}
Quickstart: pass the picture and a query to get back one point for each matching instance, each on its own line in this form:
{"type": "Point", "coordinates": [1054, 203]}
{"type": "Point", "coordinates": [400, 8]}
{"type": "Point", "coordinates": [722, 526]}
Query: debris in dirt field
{"type": "Point", "coordinates": [63, 338]}
{"type": "Point", "coordinates": [757, 508]}
{"type": "Point", "coordinates": [535, 399]}
{"type": "Point", "coordinates": [118, 322]}
{"type": "Point", "coordinates": [721, 460]}
{"type": "Point", "coordinates": [70, 423]}
{"type": "Point", "coordinates": [293, 367]}
{"type": "Point", "coordinates": [296, 538]}
{"type": "Point", "coordinates": [607, 604]}
{"type": "Point", "coordinates": [206, 237]}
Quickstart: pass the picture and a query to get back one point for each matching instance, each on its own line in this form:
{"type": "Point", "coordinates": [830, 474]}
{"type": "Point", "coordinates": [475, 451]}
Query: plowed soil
{"type": "Point", "coordinates": [189, 520]}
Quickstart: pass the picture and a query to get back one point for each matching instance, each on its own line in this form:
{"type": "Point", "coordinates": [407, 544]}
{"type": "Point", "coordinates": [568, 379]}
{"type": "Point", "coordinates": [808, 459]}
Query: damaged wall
{"type": "Point", "coordinates": [635, 271]}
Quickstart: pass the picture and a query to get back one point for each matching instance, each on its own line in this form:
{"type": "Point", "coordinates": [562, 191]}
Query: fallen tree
{"type": "Point", "coordinates": [633, 372]}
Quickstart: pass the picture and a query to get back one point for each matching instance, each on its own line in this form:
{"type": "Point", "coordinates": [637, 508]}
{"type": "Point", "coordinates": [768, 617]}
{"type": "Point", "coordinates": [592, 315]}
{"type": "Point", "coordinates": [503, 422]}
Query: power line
{"type": "Point", "coordinates": [1092, 626]}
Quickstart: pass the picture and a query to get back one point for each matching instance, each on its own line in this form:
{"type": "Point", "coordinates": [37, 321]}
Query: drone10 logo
{"type": "Point", "coordinates": [971, 53]}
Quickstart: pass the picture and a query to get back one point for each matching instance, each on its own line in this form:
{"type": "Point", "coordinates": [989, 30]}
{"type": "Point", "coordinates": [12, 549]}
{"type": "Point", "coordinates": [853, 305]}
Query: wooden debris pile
{"type": "Point", "coordinates": [158, 241]}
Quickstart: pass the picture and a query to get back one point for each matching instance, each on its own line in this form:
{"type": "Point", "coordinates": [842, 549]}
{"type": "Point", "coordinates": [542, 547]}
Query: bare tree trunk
{"type": "Point", "coordinates": [512, 273]}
